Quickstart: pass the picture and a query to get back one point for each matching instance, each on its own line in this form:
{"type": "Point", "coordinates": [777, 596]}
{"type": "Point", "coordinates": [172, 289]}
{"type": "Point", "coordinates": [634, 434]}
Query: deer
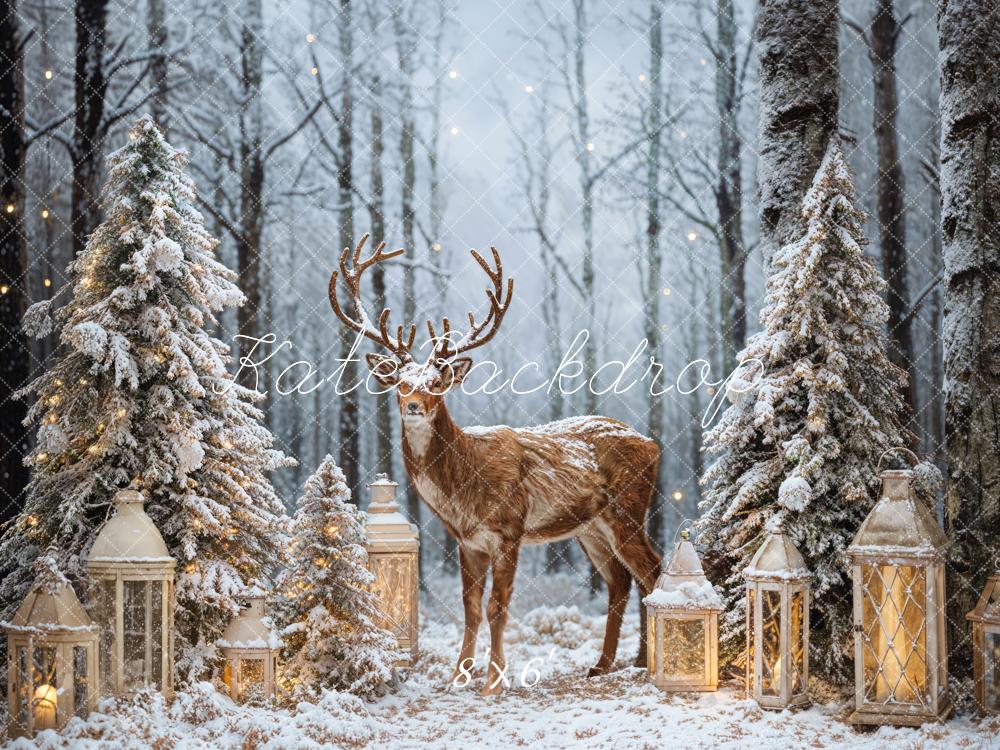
{"type": "Point", "coordinates": [496, 489]}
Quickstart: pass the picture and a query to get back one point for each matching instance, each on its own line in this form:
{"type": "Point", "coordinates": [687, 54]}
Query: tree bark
{"type": "Point", "coordinates": [348, 417]}
{"type": "Point", "coordinates": [91, 84]}
{"type": "Point", "coordinates": [156, 30]}
{"type": "Point", "coordinates": [797, 56]}
{"type": "Point", "coordinates": [883, 34]}
{"type": "Point", "coordinates": [14, 366]}
{"type": "Point", "coordinates": [970, 186]}
{"type": "Point", "coordinates": [729, 191]}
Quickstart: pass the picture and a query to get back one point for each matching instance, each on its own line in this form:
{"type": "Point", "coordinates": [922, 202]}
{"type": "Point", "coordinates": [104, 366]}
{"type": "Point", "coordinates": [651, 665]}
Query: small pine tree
{"type": "Point", "coordinates": [329, 613]}
{"type": "Point", "coordinates": [139, 390]}
{"type": "Point", "coordinates": [813, 408]}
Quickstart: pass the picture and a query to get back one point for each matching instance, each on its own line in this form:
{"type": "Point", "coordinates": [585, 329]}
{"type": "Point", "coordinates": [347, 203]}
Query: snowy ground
{"type": "Point", "coordinates": [564, 709]}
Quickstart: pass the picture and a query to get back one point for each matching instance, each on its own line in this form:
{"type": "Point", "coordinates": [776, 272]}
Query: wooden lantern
{"type": "Point", "coordinates": [133, 577]}
{"type": "Point", "coordinates": [900, 643]}
{"type": "Point", "coordinates": [250, 646]}
{"type": "Point", "coordinates": [777, 670]}
{"type": "Point", "coordinates": [51, 661]}
{"type": "Point", "coordinates": [985, 619]}
{"type": "Point", "coordinates": [393, 549]}
{"type": "Point", "coordinates": [683, 621]}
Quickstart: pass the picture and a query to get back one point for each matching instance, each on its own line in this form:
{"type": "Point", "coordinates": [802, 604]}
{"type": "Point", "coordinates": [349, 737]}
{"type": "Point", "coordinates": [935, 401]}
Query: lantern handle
{"type": "Point", "coordinates": [900, 449]}
{"type": "Point", "coordinates": [686, 525]}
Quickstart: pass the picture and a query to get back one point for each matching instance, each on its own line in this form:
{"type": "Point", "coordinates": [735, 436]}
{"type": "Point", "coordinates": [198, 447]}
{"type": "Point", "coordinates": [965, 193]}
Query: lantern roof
{"type": "Point", "coordinates": [251, 629]}
{"type": "Point", "coordinates": [777, 559]}
{"type": "Point", "coordinates": [899, 524]}
{"type": "Point", "coordinates": [682, 584]}
{"type": "Point", "coordinates": [50, 609]}
{"type": "Point", "coordinates": [129, 535]}
{"type": "Point", "coordinates": [385, 523]}
{"type": "Point", "coordinates": [988, 607]}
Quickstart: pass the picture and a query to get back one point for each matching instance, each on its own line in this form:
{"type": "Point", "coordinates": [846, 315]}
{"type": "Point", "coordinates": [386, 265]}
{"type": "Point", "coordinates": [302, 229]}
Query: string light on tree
{"type": "Point", "coordinates": [10, 208]}
{"type": "Point", "coordinates": [692, 236]}
{"type": "Point", "coordinates": [678, 495]}
{"type": "Point", "coordinates": [314, 70]}
{"type": "Point", "coordinates": [666, 291]}
{"type": "Point", "coordinates": [454, 131]}
{"type": "Point", "coordinates": [453, 74]}
{"type": "Point", "coordinates": [310, 38]}
{"type": "Point", "coordinates": [529, 89]}
{"type": "Point", "coordinates": [436, 247]}
{"type": "Point", "coordinates": [45, 213]}
{"type": "Point", "coordinates": [642, 78]}
{"type": "Point", "coordinates": [48, 75]}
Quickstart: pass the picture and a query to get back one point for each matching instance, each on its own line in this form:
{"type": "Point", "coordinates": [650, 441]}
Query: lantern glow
{"type": "Point", "coordinates": [393, 557]}
{"type": "Point", "coordinates": [900, 653]}
{"type": "Point", "coordinates": [683, 623]}
{"type": "Point", "coordinates": [250, 646]}
{"type": "Point", "coordinates": [777, 669]}
{"type": "Point", "coordinates": [985, 619]}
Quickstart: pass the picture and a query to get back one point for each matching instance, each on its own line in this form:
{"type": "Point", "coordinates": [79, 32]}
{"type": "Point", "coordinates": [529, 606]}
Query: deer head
{"type": "Point", "coordinates": [420, 386]}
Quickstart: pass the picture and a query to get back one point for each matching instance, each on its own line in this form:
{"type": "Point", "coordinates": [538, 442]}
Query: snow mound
{"type": "Point", "coordinates": [795, 494]}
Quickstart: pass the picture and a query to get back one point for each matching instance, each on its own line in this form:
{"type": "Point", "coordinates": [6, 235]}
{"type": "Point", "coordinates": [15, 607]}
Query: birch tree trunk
{"type": "Point", "coordinates": [797, 56]}
{"type": "Point", "coordinates": [883, 34]}
{"type": "Point", "coordinates": [970, 188]}
{"type": "Point", "coordinates": [14, 366]}
{"type": "Point", "coordinates": [350, 441]}
{"type": "Point", "coordinates": [156, 30]}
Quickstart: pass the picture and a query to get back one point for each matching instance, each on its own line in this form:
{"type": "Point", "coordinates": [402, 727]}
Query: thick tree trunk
{"type": "Point", "coordinates": [797, 56]}
{"type": "Point", "coordinates": [883, 34]}
{"type": "Point", "coordinates": [729, 192]}
{"type": "Point", "coordinates": [156, 30]}
{"type": "Point", "coordinates": [970, 188]}
{"type": "Point", "coordinates": [350, 439]}
{"type": "Point", "coordinates": [91, 85]}
{"type": "Point", "coordinates": [13, 266]}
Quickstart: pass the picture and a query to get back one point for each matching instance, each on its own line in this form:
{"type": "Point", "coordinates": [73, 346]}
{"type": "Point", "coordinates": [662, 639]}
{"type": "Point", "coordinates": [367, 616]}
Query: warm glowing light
{"type": "Point", "coordinates": [92, 449]}
{"type": "Point", "coordinates": [47, 282]}
{"type": "Point", "coordinates": [10, 208]}
{"type": "Point", "coordinates": [314, 70]}
{"type": "Point", "coordinates": [226, 444]}
{"type": "Point", "coordinates": [4, 288]}
{"type": "Point", "coordinates": [678, 495]}
{"type": "Point", "coordinates": [48, 75]}
{"type": "Point", "coordinates": [665, 328]}
{"type": "Point", "coordinates": [310, 38]}
{"type": "Point", "coordinates": [42, 457]}
{"type": "Point", "coordinates": [529, 89]}
{"type": "Point", "coordinates": [454, 131]}
{"type": "Point", "coordinates": [121, 412]}
{"type": "Point", "coordinates": [692, 236]}
{"type": "Point", "coordinates": [32, 520]}
{"type": "Point", "coordinates": [702, 61]}
{"type": "Point", "coordinates": [45, 707]}
{"type": "Point", "coordinates": [684, 134]}
{"type": "Point", "coordinates": [590, 146]}
{"type": "Point", "coordinates": [84, 381]}
{"type": "Point", "coordinates": [453, 74]}
{"type": "Point", "coordinates": [55, 399]}
{"type": "Point", "coordinates": [436, 247]}
{"type": "Point", "coordinates": [666, 291]}
{"type": "Point", "coordinates": [45, 213]}
{"type": "Point", "coordinates": [86, 282]}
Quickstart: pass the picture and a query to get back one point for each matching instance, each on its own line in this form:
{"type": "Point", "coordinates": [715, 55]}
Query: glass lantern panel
{"type": "Point", "coordinates": [137, 610]}
{"type": "Point", "coordinates": [894, 633]}
{"type": "Point", "coordinates": [392, 587]}
{"type": "Point", "coordinates": [750, 640]}
{"type": "Point", "coordinates": [251, 672]}
{"type": "Point", "coordinates": [770, 642]}
{"type": "Point", "coordinates": [683, 649]}
{"type": "Point", "coordinates": [44, 683]}
{"type": "Point", "coordinates": [81, 681]}
{"type": "Point", "coordinates": [991, 674]}
{"type": "Point", "coordinates": [102, 611]}
{"type": "Point", "coordinates": [651, 633]}
{"type": "Point", "coordinates": [797, 640]}
{"type": "Point", "coordinates": [155, 632]}
{"type": "Point", "coordinates": [23, 686]}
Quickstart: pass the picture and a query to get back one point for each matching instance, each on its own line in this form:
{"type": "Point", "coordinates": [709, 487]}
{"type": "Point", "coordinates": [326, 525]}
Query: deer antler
{"type": "Point", "coordinates": [399, 346]}
{"type": "Point", "coordinates": [444, 347]}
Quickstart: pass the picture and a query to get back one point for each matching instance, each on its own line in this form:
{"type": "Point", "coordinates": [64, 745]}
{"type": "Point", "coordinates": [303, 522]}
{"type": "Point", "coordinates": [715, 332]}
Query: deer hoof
{"type": "Point", "coordinates": [491, 689]}
{"type": "Point", "coordinates": [640, 660]}
{"type": "Point", "coordinates": [597, 671]}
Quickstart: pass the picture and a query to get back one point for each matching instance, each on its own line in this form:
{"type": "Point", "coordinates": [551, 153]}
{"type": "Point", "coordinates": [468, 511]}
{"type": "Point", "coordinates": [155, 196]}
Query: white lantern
{"type": "Point", "coordinates": [777, 671]}
{"type": "Point", "coordinates": [393, 548]}
{"type": "Point", "coordinates": [133, 577]}
{"type": "Point", "coordinates": [51, 661]}
{"type": "Point", "coordinates": [985, 619]}
{"type": "Point", "coordinates": [683, 620]}
{"type": "Point", "coordinates": [900, 647]}
{"type": "Point", "coordinates": [250, 646]}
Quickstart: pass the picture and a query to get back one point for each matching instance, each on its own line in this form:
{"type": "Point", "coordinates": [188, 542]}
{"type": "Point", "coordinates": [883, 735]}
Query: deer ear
{"type": "Point", "coordinates": [456, 370]}
{"type": "Point", "coordinates": [385, 369]}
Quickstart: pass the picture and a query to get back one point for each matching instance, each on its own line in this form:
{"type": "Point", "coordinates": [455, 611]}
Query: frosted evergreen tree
{"type": "Point", "coordinates": [139, 390]}
{"type": "Point", "coordinates": [812, 409]}
{"type": "Point", "coordinates": [329, 613]}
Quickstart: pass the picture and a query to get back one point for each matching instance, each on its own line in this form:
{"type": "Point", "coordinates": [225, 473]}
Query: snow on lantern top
{"type": "Point", "coordinates": [683, 585]}
{"type": "Point", "coordinates": [899, 524]}
{"type": "Point", "coordinates": [385, 523]}
{"type": "Point", "coordinates": [49, 609]}
{"type": "Point", "coordinates": [777, 559]}
{"type": "Point", "coordinates": [252, 628]}
{"type": "Point", "coordinates": [129, 535]}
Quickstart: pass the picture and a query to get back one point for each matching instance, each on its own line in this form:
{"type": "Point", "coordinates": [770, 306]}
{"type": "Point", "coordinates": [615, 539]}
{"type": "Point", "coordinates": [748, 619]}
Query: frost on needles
{"type": "Point", "coordinates": [801, 447]}
{"type": "Point", "coordinates": [139, 389]}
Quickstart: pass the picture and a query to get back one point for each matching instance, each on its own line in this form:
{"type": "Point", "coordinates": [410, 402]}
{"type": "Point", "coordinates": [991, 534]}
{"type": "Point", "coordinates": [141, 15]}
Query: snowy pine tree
{"type": "Point", "coordinates": [802, 437]}
{"type": "Point", "coordinates": [139, 390]}
{"type": "Point", "coordinates": [329, 613]}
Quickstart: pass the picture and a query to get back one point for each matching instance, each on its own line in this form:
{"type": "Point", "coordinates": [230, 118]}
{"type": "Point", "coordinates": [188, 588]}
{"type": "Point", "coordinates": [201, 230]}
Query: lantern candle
{"type": "Point", "coordinates": [683, 621]}
{"type": "Point", "coordinates": [250, 646]}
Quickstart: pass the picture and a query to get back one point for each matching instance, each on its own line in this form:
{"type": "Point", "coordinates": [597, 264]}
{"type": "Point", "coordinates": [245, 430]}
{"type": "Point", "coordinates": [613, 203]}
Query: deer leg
{"type": "Point", "coordinates": [619, 582]}
{"type": "Point", "coordinates": [474, 565]}
{"type": "Point", "coordinates": [504, 568]}
{"type": "Point", "coordinates": [636, 552]}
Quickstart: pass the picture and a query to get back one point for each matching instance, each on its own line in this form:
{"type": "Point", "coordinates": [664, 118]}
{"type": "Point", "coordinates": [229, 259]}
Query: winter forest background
{"type": "Point", "coordinates": [442, 126]}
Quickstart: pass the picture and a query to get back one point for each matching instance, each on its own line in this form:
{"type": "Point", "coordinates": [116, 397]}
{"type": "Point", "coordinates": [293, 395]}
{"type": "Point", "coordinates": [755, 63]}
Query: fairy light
{"type": "Point", "coordinates": [45, 213]}
{"type": "Point", "coordinates": [692, 236]}
{"type": "Point", "coordinates": [84, 381]}
{"type": "Point", "coordinates": [683, 134]}
{"type": "Point", "coordinates": [310, 38]}
{"type": "Point", "coordinates": [436, 247]}
{"type": "Point", "coordinates": [10, 208]}
{"type": "Point", "coordinates": [678, 495]}
{"type": "Point", "coordinates": [32, 520]}
{"type": "Point", "coordinates": [702, 61]}
{"type": "Point", "coordinates": [454, 131]}
{"type": "Point", "coordinates": [42, 457]}
{"type": "Point", "coordinates": [47, 282]}
{"type": "Point", "coordinates": [590, 146]}
{"type": "Point", "coordinates": [4, 288]}
{"type": "Point", "coordinates": [666, 291]}
{"type": "Point", "coordinates": [121, 412]}
{"type": "Point", "coordinates": [529, 89]}
{"type": "Point", "coordinates": [642, 77]}
{"type": "Point", "coordinates": [453, 74]}
{"type": "Point", "coordinates": [314, 70]}
{"type": "Point", "coordinates": [48, 74]}
{"type": "Point", "coordinates": [665, 328]}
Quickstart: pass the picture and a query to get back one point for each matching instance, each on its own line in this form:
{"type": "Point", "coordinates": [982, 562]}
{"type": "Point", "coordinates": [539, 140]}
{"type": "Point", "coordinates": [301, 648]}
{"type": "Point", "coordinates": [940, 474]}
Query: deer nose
{"type": "Point", "coordinates": [413, 408]}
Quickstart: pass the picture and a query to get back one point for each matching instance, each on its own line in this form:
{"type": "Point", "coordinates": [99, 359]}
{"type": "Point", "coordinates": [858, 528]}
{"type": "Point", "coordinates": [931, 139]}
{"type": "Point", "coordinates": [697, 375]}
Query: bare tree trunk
{"type": "Point", "coordinates": [970, 165]}
{"type": "Point", "coordinates": [883, 34]}
{"type": "Point", "coordinates": [729, 192]}
{"type": "Point", "coordinates": [14, 366]}
{"type": "Point", "coordinates": [91, 85]}
{"type": "Point", "coordinates": [156, 29]}
{"type": "Point", "coordinates": [797, 56]}
{"type": "Point", "coordinates": [350, 441]}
